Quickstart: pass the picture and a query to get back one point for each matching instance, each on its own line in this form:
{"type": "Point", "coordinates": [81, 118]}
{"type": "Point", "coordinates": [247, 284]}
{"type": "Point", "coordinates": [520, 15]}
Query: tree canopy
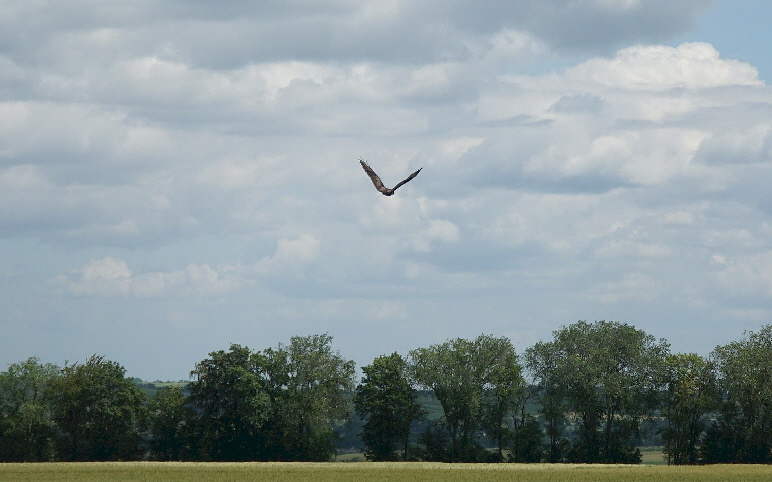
{"type": "Point", "coordinates": [310, 385]}
{"type": "Point", "coordinates": [229, 392]}
{"type": "Point", "coordinates": [27, 429]}
{"type": "Point", "coordinates": [388, 401]}
{"type": "Point", "coordinates": [609, 374]}
{"type": "Point", "coordinates": [691, 393]}
{"type": "Point", "coordinates": [468, 377]}
{"type": "Point", "coordinates": [743, 433]}
{"type": "Point", "coordinates": [98, 410]}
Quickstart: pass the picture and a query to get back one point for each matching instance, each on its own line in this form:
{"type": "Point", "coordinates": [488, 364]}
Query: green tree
{"type": "Point", "coordinates": [553, 410]}
{"type": "Point", "coordinates": [527, 441]}
{"type": "Point", "coordinates": [610, 375]}
{"type": "Point", "coordinates": [98, 410]}
{"type": "Point", "coordinates": [26, 428]}
{"type": "Point", "coordinates": [468, 378]}
{"type": "Point", "coordinates": [541, 361]}
{"type": "Point", "coordinates": [170, 425]}
{"type": "Point", "coordinates": [504, 392]}
{"type": "Point", "coordinates": [310, 386]}
{"type": "Point", "coordinates": [526, 434]}
{"type": "Point", "coordinates": [690, 394]}
{"type": "Point", "coordinates": [230, 395]}
{"type": "Point", "coordinates": [743, 433]}
{"type": "Point", "coordinates": [388, 402]}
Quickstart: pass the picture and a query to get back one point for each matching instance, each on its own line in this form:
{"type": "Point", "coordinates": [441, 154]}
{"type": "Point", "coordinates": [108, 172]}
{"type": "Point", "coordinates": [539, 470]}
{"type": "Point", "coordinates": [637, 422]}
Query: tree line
{"type": "Point", "coordinates": [584, 396]}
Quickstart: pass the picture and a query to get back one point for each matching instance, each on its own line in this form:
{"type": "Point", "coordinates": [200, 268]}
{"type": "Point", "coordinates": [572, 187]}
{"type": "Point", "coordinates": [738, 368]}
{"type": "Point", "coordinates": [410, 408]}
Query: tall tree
{"type": "Point", "coordinates": [504, 391]}
{"type": "Point", "coordinates": [541, 361]}
{"type": "Point", "coordinates": [26, 427]}
{"type": "Point", "coordinates": [610, 374]}
{"type": "Point", "coordinates": [231, 396]}
{"type": "Point", "coordinates": [170, 425]}
{"type": "Point", "coordinates": [98, 410]}
{"type": "Point", "coordinates": [461, 373]}
{"type": "Point", "coordinates": [743, 433]}
{"type": "Point", "coordinates": [690, 394]}
{"type": "Point", "coordinates": [310, 386]}
{"type": "Point", "coordinates": [388, 402]}
{"type": "Point", "coordinates": [446, 369]}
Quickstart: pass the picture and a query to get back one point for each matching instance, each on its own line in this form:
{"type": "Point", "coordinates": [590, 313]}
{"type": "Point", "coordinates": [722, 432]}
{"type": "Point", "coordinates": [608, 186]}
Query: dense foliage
{"type": "Point", "coordinates": [389, 403]}
{"type": "Point", "coordinates": [476, 382]}
{"type": "Point", "coordinates": [97, 410]}
{"type": "Point", "coordinates": [608, 374]}
{"type": "Point", "coordinates": [594, 389]}
{"type": "Point", "coordinates": [278, 404]}
{"type": "Point", "coordinates": [742, 433]}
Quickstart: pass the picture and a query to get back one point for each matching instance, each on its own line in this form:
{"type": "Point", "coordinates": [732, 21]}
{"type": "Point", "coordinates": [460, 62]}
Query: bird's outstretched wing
{"type": "Point", "coordinates": [407, 180]}
{"type": "Point", "coordinates": [376, 180]}
{"type": "Point", "coordinates": [379, 184]}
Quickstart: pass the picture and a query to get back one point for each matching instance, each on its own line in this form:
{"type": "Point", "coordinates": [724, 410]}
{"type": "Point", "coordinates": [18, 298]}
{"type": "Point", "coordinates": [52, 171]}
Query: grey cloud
{"type": "Point", "coordinates": [229, 36]}
{"type": "Point", "coordinates": [572, 26]}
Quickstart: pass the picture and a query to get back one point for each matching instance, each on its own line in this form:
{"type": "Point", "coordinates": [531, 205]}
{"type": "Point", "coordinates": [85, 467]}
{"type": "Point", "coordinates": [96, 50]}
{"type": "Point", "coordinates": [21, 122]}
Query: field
{"type": "Point", "coordinates": [372, 472]}
{"type": "Point", "coordinates": [652, 456]}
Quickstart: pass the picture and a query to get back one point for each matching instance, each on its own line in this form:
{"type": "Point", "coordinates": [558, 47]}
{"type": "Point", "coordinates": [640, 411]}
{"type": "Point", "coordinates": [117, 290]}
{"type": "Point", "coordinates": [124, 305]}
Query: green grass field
{"type": "Point", "coordinates": [652, 456]}
{"type": "Point", "coordinates": [373, 472]}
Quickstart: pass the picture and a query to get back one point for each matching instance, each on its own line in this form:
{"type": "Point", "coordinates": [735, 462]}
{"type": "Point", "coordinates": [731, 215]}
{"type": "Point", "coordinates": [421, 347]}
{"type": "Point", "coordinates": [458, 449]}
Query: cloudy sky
{"type": "Point", "coordinates": [178, 176]}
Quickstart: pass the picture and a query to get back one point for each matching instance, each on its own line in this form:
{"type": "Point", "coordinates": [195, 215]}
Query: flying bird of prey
{"type": "Point", "coordinates": [379, 184]}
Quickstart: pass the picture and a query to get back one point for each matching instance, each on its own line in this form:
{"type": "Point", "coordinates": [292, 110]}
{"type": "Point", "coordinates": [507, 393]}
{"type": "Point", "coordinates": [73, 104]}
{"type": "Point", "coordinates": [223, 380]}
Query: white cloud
{"type": "Point", "coordinates": [649, 116]}
{"type": "Point", "coordinates": [109, 276]}
{"type": "Point", "coordinates": [438, 231]}
{"type": "Point", "coordinates": [650, 157]}
{"type": "Point", "coordinates": [693, 65]}
{"type": "Point", "coordinates": [291, 257]}
{"type": "Point", "coordinates": [739, 144]}
{"type": "Point", "coordinates": [304, 249]}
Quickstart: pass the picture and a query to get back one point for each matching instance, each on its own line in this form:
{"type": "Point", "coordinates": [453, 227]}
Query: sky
{"type": "Point", "coordinates": [179, 176]}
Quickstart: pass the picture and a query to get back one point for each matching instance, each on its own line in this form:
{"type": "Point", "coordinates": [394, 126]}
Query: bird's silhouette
{"type": "Point", "coordinates": [379, 184]}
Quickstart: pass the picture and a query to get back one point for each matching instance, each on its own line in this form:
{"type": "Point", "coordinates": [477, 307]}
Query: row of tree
{"type": "Point", "coordinates": [590, 392]}
{"type": "Point", "coordinates": [277, 404]}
